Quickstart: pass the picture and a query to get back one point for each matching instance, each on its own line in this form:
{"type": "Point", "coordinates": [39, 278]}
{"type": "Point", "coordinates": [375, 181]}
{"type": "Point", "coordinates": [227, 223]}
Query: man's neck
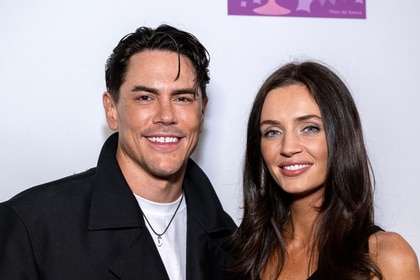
{"type": "Point", "coordinates": [153, 188]}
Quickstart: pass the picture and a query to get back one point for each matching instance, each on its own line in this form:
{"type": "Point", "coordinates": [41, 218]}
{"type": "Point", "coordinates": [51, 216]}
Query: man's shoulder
{"type": "Point", "coordinates": [69, 187]}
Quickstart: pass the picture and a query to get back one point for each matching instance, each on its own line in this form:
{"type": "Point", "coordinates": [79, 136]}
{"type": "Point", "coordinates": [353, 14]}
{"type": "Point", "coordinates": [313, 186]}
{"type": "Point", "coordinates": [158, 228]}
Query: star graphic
{"type": "Point", "coordinates": [304, 5]}
{"type": "Point", "coordinates": [243, 3]}
{"type": "Point", "coordinates": [257, 1]}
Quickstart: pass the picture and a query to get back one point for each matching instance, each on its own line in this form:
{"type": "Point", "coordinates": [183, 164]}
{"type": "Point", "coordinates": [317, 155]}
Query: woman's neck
{"type": "Point", "coordinates": [304, 214]}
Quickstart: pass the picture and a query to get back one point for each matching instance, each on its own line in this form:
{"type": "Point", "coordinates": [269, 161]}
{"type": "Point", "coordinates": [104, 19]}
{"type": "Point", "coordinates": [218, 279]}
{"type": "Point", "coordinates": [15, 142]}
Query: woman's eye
{"type": "Point", "coordinates": [271, 133]}
{"type": "Point", "coordinates": [312, 129]}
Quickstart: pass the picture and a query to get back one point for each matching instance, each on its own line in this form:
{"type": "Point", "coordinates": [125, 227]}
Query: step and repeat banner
{"type": "Point", "coordinates": [52, 57]}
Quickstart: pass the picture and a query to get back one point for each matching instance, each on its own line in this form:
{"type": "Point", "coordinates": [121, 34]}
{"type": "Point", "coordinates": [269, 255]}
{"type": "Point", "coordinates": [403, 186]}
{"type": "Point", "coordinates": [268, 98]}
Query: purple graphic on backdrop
{"type": "Point", "coordinates": [299, 8]}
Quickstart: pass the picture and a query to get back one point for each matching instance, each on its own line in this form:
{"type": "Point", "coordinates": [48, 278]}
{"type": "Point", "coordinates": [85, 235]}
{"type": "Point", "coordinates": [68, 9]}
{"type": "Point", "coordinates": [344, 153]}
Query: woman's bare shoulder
{"type": "Point", "coordinates": [394, 256]}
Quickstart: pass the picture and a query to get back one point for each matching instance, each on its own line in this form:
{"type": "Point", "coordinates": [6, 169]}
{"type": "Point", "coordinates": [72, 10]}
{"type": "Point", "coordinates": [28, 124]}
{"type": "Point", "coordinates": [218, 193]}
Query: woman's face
{"type": "Point", "coordinates": [293, 140]}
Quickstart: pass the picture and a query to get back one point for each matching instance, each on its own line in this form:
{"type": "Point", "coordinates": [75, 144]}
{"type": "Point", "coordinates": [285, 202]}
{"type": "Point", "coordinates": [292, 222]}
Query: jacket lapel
{"type": "Point", "coordinates": [208, 227]}
{"type": "Point", "coordinates": [141, 261]}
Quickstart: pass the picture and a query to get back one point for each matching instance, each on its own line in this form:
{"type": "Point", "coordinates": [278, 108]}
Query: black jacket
{"type": "Point", "coordinates": [90, 226]}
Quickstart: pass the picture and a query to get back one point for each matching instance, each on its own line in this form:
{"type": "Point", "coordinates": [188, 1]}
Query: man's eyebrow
{"type": "Point", "coordinates": [156, 91]}
{"type": "Point", "coordinates": [184, 91]}
{"type": "Point", "coordinates": [144, 88]}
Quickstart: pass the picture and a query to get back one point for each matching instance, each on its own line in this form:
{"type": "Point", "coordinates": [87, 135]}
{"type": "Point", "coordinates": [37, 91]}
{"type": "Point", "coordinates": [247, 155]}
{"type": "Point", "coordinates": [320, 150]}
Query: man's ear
{"type": "Point", "coordinates": [203, 114]}
{"type": "Point", "coordinates": [204, 107]}
{"type": "Point", "coordinates": [110, 108]}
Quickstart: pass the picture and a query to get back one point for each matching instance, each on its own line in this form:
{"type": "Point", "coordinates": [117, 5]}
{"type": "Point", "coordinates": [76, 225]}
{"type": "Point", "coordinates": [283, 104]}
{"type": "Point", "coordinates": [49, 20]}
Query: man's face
{"type": "Point", "coordinates": [158, 117]}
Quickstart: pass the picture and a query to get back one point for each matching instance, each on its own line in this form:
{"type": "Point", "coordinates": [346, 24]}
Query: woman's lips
{"type": "Point", "coordinates": [294, 169]}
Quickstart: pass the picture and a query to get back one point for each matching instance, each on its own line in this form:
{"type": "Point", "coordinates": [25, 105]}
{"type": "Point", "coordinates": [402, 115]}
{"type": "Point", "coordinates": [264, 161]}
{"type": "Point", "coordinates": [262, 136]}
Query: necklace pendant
{"type": "Point", "coordinates": [159, 240]}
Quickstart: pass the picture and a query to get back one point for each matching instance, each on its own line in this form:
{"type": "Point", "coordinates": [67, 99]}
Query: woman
{"type": "Point", "coordinates": [308, 198]}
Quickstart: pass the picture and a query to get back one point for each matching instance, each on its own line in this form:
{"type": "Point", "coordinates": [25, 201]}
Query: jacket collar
{"type": "Point", "coordinates": [113, 204]}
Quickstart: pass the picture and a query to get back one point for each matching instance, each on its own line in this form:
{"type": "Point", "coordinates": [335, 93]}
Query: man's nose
{"type": "Point", "coordinates": [165, 113]}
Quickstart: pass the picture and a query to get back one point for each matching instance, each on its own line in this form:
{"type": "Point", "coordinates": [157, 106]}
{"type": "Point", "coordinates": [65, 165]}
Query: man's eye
{"type": "Point", "coordinates": [183, 99]}
{"type": "Point", "coordinates": [143, 98]}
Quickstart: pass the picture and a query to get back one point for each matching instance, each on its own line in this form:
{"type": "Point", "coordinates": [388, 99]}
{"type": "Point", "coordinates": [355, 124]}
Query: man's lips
{"type": "Point", "coordinates": [163, 139]}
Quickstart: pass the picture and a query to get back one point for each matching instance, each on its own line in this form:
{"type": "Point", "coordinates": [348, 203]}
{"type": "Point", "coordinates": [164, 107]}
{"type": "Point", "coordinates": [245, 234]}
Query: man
{"type": "Point", "coordinates": [146, 211]}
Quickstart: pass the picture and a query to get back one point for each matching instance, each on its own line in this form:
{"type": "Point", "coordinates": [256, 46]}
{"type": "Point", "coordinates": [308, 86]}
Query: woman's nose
{"type": "Point", "coordinates": [290, 144]}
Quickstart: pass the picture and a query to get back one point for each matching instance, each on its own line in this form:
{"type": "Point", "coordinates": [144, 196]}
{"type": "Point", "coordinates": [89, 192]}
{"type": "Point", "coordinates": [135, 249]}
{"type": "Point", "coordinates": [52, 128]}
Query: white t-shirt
{"type": "Point", "coordinates": [174, 242]}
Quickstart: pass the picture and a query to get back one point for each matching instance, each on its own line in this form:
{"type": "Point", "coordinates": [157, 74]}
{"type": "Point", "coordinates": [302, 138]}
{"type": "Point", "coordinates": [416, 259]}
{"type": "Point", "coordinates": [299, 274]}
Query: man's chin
{"type": "Point", "coordinates": [169, 172]}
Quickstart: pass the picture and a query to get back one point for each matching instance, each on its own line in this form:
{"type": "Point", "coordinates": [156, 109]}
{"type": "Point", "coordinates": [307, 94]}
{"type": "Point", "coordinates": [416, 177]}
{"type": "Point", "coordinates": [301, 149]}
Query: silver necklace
{"type": "Point", "coordinates": [159, 235]}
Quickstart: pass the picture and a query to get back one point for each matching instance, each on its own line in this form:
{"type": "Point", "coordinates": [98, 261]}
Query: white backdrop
{"type": "Point", "coordinates": [52, 56]}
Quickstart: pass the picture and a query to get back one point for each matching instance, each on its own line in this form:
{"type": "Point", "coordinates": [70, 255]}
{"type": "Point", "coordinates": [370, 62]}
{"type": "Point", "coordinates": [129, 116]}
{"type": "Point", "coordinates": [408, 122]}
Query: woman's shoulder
{"type": "Point", "coordinates": [394, 256]}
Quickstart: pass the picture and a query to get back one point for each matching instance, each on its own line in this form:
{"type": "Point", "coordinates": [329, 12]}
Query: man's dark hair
{"type": "Point", "coordinates": [165, 38]}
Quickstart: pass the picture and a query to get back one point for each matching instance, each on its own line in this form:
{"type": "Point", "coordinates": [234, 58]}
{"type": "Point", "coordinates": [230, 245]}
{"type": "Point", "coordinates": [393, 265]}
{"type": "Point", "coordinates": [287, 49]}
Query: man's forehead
{"type": "Point", "coordinates": [162, 63]}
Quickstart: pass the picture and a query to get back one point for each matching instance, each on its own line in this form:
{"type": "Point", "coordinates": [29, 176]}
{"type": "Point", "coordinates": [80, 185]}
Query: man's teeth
{"type": "Point", "coordinates": [163, 139]}
{"type": "Point", "coordinates": [295, 167]}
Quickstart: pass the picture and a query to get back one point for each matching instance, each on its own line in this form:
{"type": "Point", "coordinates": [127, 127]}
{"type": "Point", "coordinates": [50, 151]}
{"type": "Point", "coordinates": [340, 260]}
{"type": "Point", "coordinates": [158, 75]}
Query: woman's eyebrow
{"type": "Point", "coordinates": [308, 117]}
{"type": "Point", "coordinates": [269, 122]}
{"type": "Point", "coordinates": [298, 119]}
